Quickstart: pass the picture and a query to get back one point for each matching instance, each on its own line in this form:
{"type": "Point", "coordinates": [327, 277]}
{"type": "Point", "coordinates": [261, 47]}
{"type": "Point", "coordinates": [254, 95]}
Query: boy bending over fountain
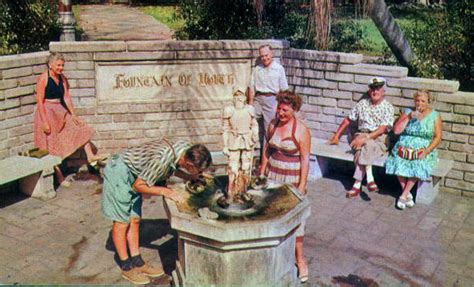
{"type": "Point", "coordinates": [240, 135]}
{"type": "Point", "coordinates": [144, 170]}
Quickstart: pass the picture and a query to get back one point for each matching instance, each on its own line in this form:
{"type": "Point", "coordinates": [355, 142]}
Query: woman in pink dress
{"type": "Point", "coordinates": [286, 159]}
{"type": "Point", "coordinates": [56, 128]}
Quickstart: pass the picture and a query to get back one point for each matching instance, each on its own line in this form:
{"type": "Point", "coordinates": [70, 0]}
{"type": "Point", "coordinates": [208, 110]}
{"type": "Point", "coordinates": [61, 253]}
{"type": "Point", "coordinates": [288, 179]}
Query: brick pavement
{"type": "Point", "coordinates": [119, 22]}
{"type": "Point", "coordinates": [66, 240]}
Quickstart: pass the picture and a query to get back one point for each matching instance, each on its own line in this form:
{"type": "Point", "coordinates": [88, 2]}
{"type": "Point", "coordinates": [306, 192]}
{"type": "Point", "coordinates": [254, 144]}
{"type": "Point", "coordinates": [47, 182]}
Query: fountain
{"type": "Point", "coordinates": [235, 228]}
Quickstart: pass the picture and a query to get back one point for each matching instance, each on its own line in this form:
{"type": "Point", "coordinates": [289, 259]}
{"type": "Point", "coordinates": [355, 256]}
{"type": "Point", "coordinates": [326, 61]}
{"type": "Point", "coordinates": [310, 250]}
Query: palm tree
{"type": "Point", "coordinates": [391, 33]}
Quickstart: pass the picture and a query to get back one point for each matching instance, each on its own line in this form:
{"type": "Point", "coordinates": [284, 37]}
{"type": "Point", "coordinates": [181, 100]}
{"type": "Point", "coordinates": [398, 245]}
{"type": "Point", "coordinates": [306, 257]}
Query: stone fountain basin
{"type": "Point", "coordinates": [283, 206]}
{"type": "Point", "coordinates": [257, 249]}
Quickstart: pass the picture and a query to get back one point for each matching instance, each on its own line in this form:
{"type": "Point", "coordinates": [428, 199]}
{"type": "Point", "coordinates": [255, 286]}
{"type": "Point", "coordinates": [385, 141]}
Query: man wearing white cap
{"type": "Point", "coordinates": [374, 116]}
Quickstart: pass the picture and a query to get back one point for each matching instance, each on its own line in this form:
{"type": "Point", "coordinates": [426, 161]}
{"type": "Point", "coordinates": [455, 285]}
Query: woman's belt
{"type": "Point", "coordinates": [53, 100]}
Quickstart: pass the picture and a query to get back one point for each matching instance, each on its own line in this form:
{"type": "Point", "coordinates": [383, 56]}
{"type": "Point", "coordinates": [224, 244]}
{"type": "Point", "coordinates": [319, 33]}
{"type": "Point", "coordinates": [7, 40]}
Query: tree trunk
{"type": "Point", "coordinates": [259, 6]}
{"type": "Point", "coordinates": [392, 33]}
{"type": "Point", "coordinates": [319, 23]}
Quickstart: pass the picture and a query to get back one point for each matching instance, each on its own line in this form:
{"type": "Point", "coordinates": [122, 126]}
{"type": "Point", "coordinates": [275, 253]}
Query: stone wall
{"type": "Point", "coordinates": [329, 82]}
{"type": "Point", "coordinates": [18, 75]}
{"type": "Point", "coordinates": [118, 124]}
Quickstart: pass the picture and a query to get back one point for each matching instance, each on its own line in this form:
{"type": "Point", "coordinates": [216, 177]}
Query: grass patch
{"type": "Point", "coordinates": [375, 42]}
{"type": "Point", "coordinates": [165, 15]}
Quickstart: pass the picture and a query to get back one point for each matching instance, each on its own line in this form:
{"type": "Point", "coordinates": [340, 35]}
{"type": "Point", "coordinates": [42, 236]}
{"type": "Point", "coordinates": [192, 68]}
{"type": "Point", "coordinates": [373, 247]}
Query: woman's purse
{"type": "Point", "coordinates": [410, 153]}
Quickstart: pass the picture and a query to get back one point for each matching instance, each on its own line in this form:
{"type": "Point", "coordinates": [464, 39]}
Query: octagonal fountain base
{"type": "Point", "coordinates": [254, 250]}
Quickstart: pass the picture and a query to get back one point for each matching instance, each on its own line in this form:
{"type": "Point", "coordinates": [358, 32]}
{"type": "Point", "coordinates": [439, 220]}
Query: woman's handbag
{"type": "Point", "coordinates": [410, 153]}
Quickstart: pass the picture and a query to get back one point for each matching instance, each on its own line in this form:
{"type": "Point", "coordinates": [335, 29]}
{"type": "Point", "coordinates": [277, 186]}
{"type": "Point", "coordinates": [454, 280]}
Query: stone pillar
{"type": "Point", "coordinates": [66, 18]}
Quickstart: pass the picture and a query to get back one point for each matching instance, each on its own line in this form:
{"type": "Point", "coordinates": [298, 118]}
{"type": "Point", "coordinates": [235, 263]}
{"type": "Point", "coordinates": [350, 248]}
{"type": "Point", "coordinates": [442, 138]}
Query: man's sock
{"type": "Point", "coordinates": [137, 261]}
{"type": "Point", "coordinates": [126, 264]}
{"type": "Point", "coordinates": [357, 184]}
{"type": "Point", "coordinates": [370, 176]}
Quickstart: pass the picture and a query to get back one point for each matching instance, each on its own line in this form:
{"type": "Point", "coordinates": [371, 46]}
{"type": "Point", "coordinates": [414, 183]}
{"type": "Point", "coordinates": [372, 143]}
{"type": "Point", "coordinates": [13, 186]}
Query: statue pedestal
{"type": "Point", "coordinates": [241, 252]}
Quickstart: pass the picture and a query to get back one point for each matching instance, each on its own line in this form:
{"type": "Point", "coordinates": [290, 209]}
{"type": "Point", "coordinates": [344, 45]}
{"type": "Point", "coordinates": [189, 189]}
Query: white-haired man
{"type": "Point", "coordinates": [374, 116]}
{"type": "Point", "coordinates": [268, 78]}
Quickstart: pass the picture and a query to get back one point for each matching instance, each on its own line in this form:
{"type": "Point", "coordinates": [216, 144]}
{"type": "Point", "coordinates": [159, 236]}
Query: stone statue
{"type": "Point", "coordinates": [240, 136]}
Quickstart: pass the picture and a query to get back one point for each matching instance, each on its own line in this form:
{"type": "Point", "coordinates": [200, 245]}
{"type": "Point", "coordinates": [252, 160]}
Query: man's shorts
{"type": "Point", "coordinates": [119, 201]}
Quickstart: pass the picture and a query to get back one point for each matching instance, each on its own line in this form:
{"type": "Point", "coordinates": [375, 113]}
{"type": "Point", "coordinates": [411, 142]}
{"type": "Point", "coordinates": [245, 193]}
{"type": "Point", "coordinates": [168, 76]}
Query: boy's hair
{"type": "Point", "coordinates": [199, 156]}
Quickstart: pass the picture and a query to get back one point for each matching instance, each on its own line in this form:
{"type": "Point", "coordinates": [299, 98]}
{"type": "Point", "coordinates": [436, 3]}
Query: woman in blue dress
{"type": "Point", "coordinates": [414, 156]}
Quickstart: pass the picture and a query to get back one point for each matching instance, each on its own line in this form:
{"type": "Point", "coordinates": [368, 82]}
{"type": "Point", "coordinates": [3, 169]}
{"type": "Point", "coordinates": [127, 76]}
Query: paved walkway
{"type": "Point", "coordinates": [66, 240]}
{"type": "Point", "coordinates": [120, 22]}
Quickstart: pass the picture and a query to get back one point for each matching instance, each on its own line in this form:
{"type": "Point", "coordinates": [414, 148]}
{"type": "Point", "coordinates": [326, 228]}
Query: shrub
{"type": "Point", "coordinates": [215, 19]}
{"type": "Point", "coordinates": [228, 19]}
{"type": "Point", "coordinates": [27, 25]}
{"type": "Point", "coordinates": [293, 29]}
{"type": "Point", "coordinates": [348, 36]}
{"type": "Point", "coordinates": [442, 42]}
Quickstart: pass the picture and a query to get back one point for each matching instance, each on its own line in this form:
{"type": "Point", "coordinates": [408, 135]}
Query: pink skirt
{"type": "Point", "coordinates": [65, 137]}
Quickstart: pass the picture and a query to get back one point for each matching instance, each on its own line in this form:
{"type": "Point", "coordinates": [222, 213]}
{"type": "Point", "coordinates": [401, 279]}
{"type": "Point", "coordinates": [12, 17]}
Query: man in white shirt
{"type": "Point", "coordinates": [268, 78]}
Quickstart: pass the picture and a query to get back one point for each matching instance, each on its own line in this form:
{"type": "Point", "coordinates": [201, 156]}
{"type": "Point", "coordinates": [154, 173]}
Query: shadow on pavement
{"type": "Point", "coordinates": [11, 195]}
{"type": "Point", "coordinates": [155, 234]}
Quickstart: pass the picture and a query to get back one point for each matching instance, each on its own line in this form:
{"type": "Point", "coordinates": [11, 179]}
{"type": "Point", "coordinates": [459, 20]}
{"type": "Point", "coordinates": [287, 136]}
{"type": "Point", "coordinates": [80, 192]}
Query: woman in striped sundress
{"type": "Point", "coordinates": [286, 158]}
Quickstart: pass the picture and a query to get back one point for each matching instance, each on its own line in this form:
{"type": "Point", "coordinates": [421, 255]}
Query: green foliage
{"type": "Point", "coordinates": [442, 42]}
{"type": "Point", "coordinates": [348, 36]}
{"type": "Point", "coordinates": [215, 19]}
{"type": "Point", "coordinates": [228, 19]}
{"type": "Point", "coordinates": [292, 27]}
{"type": "Point", "coordinates": [166, 15]}
{"type": "Point", "coordinates": [27, 25]}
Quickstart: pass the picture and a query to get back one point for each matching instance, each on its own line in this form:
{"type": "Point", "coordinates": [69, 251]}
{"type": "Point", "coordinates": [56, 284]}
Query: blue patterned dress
{"type": "Point", "coordinates": [417, 134]}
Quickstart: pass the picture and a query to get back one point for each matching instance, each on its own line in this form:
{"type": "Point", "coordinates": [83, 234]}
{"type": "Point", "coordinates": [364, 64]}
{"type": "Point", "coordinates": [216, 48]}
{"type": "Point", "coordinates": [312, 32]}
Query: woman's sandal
{"type": "Point", "coordinates": [353, 192]}
{"type": "Point", "coordinates": [410, 203]}
{"type": "Point", "coordinates": [97, 158]}
{"type": "Point", "coordinates": [372, 187]}
{"type": "Point", "coordinates": [401, 203]}
{"type": "Point", "coordinates": [65, 183]}
{"type": "Point", "coordinates": [303, 273]}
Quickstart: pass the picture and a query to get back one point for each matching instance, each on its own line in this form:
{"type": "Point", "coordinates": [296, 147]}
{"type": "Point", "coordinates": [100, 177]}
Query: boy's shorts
{"type": "Point", "coordinates": [119, 200]}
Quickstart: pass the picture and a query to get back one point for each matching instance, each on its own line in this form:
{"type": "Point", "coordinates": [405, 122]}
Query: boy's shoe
{"type": "Point", "coordinates": [135, 276]}
{"type": "Point", "coordinates": [150, 270]}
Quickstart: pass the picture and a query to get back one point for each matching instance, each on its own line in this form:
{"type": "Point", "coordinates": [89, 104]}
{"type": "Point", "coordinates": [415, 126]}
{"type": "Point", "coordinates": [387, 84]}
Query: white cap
{"type": "Point", "coordinates": [377, 82]}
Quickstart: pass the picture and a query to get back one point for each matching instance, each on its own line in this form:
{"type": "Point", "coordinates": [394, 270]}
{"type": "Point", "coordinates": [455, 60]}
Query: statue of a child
{"type": "Point", "coordinates": [240, 136]}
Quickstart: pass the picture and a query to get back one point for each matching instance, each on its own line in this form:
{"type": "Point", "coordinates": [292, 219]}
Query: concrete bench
{"type": "Point", "coordinates": [35, 175]}
{"type": "Point", "coordinates": [426, 190]}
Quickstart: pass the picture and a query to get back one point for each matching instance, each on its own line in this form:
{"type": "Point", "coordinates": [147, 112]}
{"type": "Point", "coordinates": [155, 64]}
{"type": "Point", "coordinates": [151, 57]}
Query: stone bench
{"type": "Point", "coordinates": [426, 190]}
{"type": "Point", "coordinates": [35, 175]}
